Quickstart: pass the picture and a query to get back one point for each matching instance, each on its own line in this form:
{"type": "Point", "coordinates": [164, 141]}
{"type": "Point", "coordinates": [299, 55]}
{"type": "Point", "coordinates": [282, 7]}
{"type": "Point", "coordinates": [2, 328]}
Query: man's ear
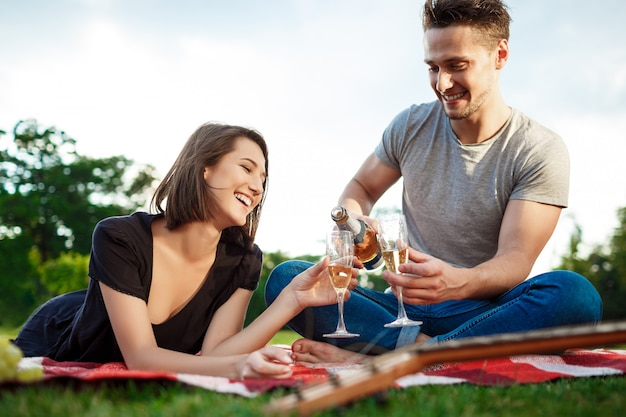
{"type": "Point", "coordinates": [502, 53]}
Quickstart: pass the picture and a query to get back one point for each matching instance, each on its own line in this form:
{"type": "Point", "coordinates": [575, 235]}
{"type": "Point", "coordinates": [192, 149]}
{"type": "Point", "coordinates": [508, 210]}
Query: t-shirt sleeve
{"type": "Point", "coordinates": [250, 269]}
{"type": "Point", "coordinates": [388, 149]}
{"type": "Point", "coordinates": [116, 260]}
{"type": "Point", "coordinates": [410, 124]}
{"type": "Point", "coordinates": [544, 171]}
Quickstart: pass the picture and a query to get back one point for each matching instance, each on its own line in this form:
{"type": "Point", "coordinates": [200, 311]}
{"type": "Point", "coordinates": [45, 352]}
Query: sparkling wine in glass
{"type": "Point", "coordinates": [394, 243]}
{"type": "Point", "coordinates": [340, 250]}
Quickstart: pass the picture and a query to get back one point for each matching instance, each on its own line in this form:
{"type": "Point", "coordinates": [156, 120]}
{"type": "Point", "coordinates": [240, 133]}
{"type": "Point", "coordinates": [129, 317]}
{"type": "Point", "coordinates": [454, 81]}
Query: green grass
{"type": "Point", "coordinates": [588, 397]}
{"type": "Point", "coordinates": [284, 337]}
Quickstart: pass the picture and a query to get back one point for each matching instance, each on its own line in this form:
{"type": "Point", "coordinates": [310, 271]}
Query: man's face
{"type": "Point", "coordinates": [463, 72]}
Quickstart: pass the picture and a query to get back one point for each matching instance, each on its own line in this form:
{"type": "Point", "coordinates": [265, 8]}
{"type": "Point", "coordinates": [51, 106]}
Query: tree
{"type": "Point", "coordinates": [605, 267]}
{"type": "Point", "coordinates": [18, 280]}
{"type": "Point", "coordinates": [54, 196]}
{"type": "Point", "coordinates": [618, 245]}
{"type": "Point", "coordinates": [50, 200]}
{"type": "Point", "coordinates": [68, 272]}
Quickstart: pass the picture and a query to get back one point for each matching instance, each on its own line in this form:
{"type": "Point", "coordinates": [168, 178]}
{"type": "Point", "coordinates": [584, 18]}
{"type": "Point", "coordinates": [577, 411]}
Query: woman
{"type": "Point", "coordinates": [169, 291]}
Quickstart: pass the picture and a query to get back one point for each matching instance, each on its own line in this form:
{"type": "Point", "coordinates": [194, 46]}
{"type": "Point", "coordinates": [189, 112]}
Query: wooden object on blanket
{"type": "Point", "coordinates": [382, 371]}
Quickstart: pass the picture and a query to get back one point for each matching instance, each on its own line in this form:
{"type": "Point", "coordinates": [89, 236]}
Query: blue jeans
{"type": "Point", "coordinates": [555, 298]}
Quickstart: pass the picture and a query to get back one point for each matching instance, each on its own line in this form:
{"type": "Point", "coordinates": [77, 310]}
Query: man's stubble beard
{"type": "Point", "coordinates": [471, 109]}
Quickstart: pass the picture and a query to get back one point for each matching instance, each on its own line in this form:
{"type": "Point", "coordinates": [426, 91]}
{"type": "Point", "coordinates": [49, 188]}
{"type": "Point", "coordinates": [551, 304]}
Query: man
{"type": "Point", "coordinates": [484, 186]}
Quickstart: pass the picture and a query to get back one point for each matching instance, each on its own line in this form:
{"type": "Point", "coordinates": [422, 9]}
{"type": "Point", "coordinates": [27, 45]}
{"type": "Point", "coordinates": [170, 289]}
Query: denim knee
{"type": "Point", "coordinates": [584, 304]}
{"type": "Point", "coordinates": [281, 276]}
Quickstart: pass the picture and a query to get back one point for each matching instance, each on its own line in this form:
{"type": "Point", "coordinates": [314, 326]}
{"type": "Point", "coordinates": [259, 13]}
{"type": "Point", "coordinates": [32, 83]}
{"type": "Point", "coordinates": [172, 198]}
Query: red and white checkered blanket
{"type": "Point", "coordinates": [515, 369]}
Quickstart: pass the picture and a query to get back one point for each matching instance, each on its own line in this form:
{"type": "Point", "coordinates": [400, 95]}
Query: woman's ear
{"type": "Point", "coordinates": [207, 173]}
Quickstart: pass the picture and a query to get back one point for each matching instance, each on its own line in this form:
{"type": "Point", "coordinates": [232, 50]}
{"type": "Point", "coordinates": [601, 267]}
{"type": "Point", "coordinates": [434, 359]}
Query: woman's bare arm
{"type": "Point", "coordinates": [135, 337]}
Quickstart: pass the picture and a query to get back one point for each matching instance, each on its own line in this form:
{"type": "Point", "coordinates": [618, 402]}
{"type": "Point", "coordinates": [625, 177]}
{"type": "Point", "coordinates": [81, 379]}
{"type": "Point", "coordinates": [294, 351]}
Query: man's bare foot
{"type": "Point", "coordinates": [311, 351]}
{"type": "Point", "coordinates": [422, 338]}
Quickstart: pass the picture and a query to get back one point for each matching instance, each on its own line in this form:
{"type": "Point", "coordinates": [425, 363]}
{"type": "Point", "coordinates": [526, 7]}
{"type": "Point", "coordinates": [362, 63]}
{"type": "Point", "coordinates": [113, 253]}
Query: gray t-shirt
{"type": "Point", "coordinates": [454, 195]}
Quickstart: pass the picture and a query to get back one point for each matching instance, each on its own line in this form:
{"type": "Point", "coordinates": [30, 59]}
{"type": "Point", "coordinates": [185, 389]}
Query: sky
{"type": "Point", "coordinates": [319, 79]}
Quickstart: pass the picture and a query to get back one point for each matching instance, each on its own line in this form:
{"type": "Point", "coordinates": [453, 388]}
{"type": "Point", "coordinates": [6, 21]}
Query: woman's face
{"type": "Point", "coordinates": [237, 183]}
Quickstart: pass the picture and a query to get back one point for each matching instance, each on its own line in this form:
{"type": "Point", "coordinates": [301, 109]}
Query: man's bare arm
{"type": "Point", "coordinates": [368, 184]}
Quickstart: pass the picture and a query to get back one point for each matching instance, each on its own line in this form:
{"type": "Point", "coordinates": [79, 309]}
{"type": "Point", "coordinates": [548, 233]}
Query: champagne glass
{"type": "Point", "coordinates": [394, 243]}
{"type": "Point", "coordinates": [340, 250]}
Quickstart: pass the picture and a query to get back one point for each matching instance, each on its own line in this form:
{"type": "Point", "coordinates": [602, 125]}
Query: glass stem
{"type": "Point", "coordinates": [401, 310]}
{"type": "Point", "coordinates": [341, 325]}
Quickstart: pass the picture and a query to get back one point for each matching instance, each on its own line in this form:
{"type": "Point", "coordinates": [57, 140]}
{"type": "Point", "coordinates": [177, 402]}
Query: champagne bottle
{"type": "Point", "coordinates": [365, 243]}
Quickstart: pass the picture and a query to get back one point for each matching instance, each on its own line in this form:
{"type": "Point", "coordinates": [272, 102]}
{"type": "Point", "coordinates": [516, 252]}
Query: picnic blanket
{"type": "Point", "coordinates": [504, 371]}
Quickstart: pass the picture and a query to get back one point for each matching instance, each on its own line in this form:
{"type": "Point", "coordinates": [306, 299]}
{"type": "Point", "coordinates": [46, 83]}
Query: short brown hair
{"type": "Point", "coordinates": [490, 17]}
{"type": "Point", "coordinates": [189, 198]}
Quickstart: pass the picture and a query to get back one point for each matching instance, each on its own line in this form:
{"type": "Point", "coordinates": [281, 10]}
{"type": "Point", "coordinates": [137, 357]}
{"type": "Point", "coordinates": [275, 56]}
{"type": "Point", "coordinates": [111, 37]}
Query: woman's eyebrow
{"type": "Point", "coordinates": [253, 162]}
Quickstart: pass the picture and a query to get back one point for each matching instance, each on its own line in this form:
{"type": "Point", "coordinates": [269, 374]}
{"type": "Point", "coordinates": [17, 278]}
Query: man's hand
{"type": "Point", "coordinates": [426, 280]}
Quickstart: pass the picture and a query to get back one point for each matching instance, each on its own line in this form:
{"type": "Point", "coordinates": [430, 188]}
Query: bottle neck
{"type": "Point", "coordinates": [357, 227]}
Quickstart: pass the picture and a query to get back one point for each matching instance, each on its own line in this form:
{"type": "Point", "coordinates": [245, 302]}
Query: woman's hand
{"type": "Point", "coordinates": [267, 362]}
{"type": "Point", "coordinates": [313, 288]}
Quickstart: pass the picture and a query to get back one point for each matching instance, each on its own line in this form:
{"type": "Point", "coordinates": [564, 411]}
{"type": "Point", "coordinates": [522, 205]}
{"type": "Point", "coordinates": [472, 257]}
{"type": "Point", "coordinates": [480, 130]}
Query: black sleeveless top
{"type": "Point", "coordinates": [76, 327]}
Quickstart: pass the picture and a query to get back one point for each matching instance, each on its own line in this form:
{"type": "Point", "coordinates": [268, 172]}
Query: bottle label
{"type": "Point", "coordinates": [374, 263]}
